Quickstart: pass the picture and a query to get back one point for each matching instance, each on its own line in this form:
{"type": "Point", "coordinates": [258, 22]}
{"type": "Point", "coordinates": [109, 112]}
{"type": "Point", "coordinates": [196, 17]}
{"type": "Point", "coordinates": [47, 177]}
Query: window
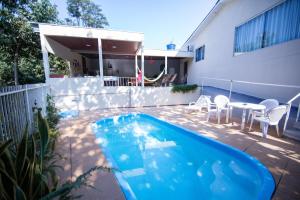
{"type": "Point", "coordinates": [280, 24]}
{"type": "Point", "coordinates": [200, 53]}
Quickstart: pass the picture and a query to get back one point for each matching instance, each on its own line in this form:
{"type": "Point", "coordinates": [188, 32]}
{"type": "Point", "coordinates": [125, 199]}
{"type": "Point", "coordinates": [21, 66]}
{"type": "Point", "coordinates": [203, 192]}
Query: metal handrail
{"type": "Point", "coordinates": [289, 110]}
{"type": "Point", "coordinates": [254, 83]}
{"type": "Point", "coordinates": [294, 98]}
{"type": "Point", "coordinates": [22, 90]}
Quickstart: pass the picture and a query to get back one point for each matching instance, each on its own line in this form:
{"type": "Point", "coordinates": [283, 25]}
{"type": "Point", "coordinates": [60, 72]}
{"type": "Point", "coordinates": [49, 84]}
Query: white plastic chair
{"type": "Point", "coordinates": [272, 118]}
{"type": "Point", "coordinates": [202, 102]}
{"type": "Point", "coordinates": [220, 104]}
{"type": "Point", "coordinates": [269, 103]}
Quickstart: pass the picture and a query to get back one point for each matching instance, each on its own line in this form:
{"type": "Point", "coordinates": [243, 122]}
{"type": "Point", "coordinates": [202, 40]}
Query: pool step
{"type": "Point", "coordinates": [159, 145]}
{"type": "Point", "coordinates": [133, 172]}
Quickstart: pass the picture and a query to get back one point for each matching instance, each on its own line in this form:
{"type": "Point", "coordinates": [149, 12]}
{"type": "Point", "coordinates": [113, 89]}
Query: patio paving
{"type": "Point", "coordinates": [77, 144]}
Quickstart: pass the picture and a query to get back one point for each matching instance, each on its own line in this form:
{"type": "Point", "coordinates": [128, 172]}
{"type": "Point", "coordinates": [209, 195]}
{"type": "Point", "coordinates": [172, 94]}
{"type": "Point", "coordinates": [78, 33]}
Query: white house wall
{"type": "Point", "coordinates": [276, 64]}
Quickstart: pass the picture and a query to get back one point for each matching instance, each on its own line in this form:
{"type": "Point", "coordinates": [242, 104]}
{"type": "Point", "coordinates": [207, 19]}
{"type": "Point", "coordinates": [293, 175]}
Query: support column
{"type": "Point", "coordinates": [45, 58]}
{"type": "Point", "coordinates": [143, 67]}
{"type": "Point", "coordinates": [166, 65]}
{"type": "Point", "coordinates": [136, 71]}
{"type": "Point", "coordinates": [100, 62]}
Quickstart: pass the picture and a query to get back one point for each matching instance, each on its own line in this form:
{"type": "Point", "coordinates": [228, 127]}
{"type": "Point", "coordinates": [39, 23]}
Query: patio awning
{"type": "Point", "coordinates": [90, 45]}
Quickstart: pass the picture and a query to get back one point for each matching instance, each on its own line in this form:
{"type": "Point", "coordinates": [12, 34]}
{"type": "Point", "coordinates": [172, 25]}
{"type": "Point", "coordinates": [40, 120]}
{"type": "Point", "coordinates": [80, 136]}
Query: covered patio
{"type": "Point", "coordinates": [116, 58]}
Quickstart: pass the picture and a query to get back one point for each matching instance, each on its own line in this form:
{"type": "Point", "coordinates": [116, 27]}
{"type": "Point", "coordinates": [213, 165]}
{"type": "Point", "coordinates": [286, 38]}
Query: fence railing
{"type": "Point", "coordinates": [119, 81]}
{"type": "Point", "coordinates": [16, 109]}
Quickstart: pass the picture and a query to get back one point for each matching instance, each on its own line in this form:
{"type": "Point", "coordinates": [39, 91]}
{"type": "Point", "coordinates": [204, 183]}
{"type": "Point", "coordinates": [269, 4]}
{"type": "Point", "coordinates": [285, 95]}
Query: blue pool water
{"type": "Point", "coordinates": [68, 114]}
{"type": "Point", "coordinates": [158, 160]}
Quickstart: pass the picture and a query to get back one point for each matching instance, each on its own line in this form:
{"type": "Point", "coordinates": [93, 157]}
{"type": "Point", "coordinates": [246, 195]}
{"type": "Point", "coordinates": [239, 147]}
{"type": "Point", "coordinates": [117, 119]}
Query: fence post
{"type": "Point", "coordinates": [298, 112]}
{"type": "Point", "coordinates": [43, 101]}
{"type": "Point", "coordinates": [130, 97]}
{"type": "Point", "coordinates": [230, 90]}
{"type": "Point", "coordinates": [287, 116]}
{"type": "Point", "coordinates": [202, 87]}
{"type": "Point", "coordinates": [28, 109]}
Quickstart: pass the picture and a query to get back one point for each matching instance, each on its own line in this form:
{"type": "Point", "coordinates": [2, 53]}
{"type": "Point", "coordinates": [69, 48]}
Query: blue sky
{"type": "Point", "coordinates": [161, 21]}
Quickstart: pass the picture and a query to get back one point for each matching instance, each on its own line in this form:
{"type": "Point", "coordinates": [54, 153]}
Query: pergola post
{"type": "Point", "coordinates": [136, 70]}
{"type": "Point", "coordinates": [45, 58]}
{"type": "Point", "coordinates": [166, 64]}
{"type": "Point", "coordinates": [100, 62]}
{"type": "Point", "coordinates": [143, 67]}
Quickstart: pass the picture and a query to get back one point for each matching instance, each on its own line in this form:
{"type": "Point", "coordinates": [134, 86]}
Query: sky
{"type": "Point", "coordinates": [161, 21]}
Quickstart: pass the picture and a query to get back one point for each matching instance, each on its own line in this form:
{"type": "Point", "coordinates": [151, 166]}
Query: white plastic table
{"type": "Point", "coordinates": [246, 106]}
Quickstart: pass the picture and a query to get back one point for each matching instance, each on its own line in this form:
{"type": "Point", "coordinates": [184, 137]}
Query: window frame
{"type": "Point", "coordinates": [196, 51]}
{"type": "Point", "coordinates": [249, 19]}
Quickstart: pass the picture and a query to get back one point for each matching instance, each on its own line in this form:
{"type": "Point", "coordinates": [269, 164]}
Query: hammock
{"type": "Point", "coordinates": [155, 79]}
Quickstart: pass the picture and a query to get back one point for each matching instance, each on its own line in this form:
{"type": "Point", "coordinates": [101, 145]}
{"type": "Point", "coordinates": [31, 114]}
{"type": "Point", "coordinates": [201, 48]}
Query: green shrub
{"type": "Point", "coordinates": [52, 112]}
{"type": "Point", "coordinates": [29, 171]}
{"type": "Point", "coordinates": [184, 88]}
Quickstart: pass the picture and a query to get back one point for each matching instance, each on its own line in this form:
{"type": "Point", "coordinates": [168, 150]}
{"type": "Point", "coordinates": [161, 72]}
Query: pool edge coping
{"type": "Point", "coordinates": [268, 181]}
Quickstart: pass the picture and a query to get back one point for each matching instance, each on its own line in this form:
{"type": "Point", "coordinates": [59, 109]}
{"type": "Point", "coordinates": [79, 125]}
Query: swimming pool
{"type": "Point", "coordinates": [158, 160]}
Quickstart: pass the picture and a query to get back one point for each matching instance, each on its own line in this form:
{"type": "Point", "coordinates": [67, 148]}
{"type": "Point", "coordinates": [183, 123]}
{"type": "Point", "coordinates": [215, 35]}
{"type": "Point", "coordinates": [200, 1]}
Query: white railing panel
{"type": "Point", "coordinates": [16, 109]}
{"type": "Point", "coordinates": [119, 81]}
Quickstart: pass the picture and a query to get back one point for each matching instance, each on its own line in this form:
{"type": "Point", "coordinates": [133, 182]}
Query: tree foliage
{"type": "Point", "coordinates": [20, 51]}
{"type": "Point", "coordinates": [19, 45]}
{"type": "Point", "coordinates": [58, 65]}
{"type": "Point", "coordinates": [85, 13]}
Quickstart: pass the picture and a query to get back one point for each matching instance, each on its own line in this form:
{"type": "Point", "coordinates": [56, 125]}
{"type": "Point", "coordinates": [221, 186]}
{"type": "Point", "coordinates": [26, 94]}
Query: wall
{"type": "Point", "coordinates": [125, 67]}
{"type": "Point", "coordinates": [87, 94]}
{"type": "Point", "coordinates": [276, 64]}
{"type": "Point", "coordinates": [65, 53]}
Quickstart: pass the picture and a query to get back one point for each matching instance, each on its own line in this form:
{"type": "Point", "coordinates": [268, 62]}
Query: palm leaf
{"type": "Point", "coordinates": [44, 134]}
{"type": "Point", "coordinates": [4, 146]}
{"type": "Point", "coordinates": [19, 194]}
{"type": "Point", "coordinates": [66, 188]}
{"type": "Point", "coordinates": [21, 155]}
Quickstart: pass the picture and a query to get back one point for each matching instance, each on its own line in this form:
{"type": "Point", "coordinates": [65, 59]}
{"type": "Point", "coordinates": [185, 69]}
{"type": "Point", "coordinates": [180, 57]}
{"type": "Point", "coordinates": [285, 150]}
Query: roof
{"type": "Point", "coordinates": [85, 32]}
{"type": "Point", "coordinates": [84, 40]}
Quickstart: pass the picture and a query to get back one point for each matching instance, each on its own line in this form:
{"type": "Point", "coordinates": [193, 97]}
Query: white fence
{"type": "Point", "coordinates": [16, 109]}
{"type": "Point", "coordinates": [87, 94]}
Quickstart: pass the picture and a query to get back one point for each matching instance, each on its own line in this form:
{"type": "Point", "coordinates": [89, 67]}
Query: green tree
{"type": "Point", "coordinates": [85, 13]}
{"type": "Point", "coordinates": [18, 42]}
{"type": "Point", "coordinates": [44, 12]}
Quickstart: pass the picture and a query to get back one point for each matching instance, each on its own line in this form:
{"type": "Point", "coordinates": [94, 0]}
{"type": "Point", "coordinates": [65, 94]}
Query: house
{"type": "Point", "coordinates": [105, 64]}
{"type": "Point", "coordinates": [249, 41]}
{"type": "Point", "coordinates": [255, 43]}
{"type": "Point", "coordinates": [107, 54]}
